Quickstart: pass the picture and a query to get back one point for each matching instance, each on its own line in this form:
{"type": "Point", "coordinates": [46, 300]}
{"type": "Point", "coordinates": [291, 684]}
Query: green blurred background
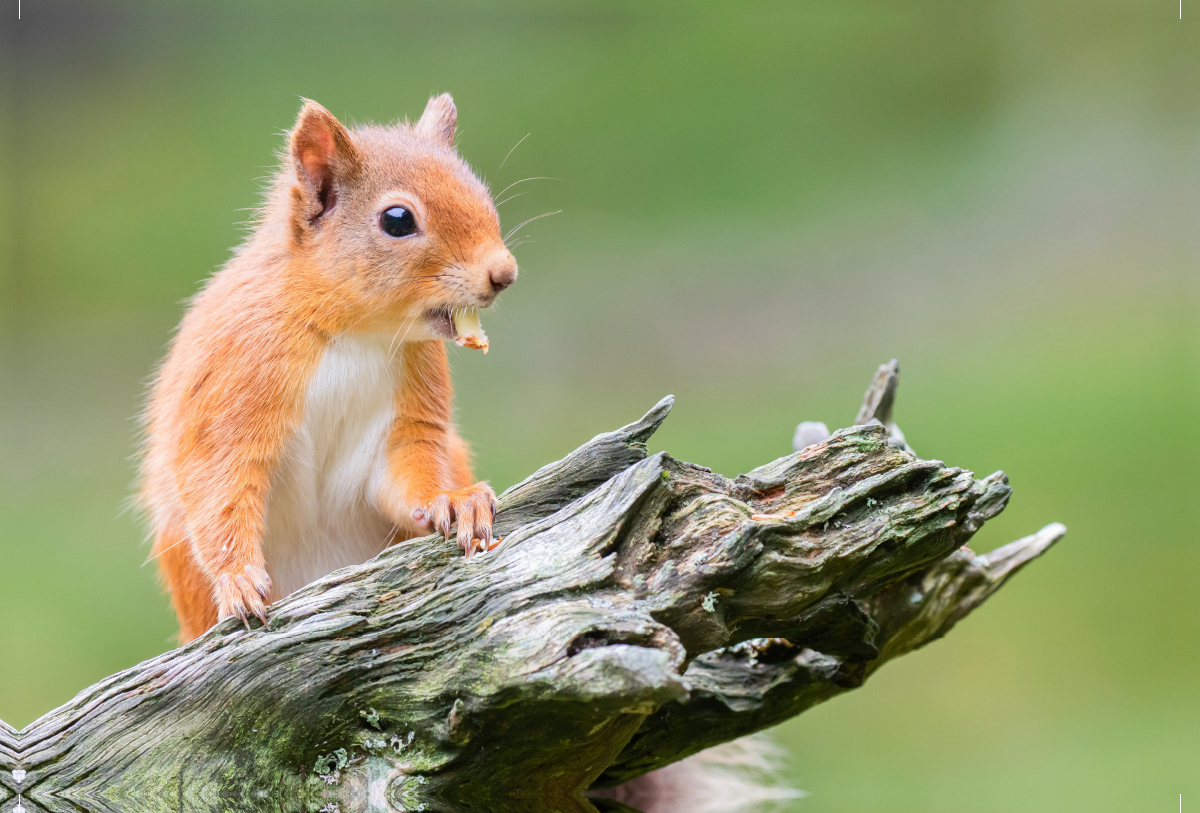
{"type": "Point", "coordinates": [761, 202]}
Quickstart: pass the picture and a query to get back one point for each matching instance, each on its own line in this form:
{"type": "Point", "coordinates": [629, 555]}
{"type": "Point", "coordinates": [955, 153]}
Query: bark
{"type": "Point", "coordinates": [638, 610]}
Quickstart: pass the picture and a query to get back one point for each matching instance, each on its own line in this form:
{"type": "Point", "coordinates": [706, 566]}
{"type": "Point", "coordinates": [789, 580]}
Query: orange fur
{"type": "Point", "coordinates": [232, 391]}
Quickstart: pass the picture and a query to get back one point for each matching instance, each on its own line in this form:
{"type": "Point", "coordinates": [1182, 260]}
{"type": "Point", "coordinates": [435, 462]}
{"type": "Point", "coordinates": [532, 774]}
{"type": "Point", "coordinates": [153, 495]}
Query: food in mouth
{"type": "Point", "coordinates": [468, 332]}
{"type": "Point", "coordinates": [461, 325]}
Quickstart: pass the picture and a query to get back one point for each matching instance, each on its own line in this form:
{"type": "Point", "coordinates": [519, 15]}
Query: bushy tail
{"type": "Point", "coordinates": [737, 777]}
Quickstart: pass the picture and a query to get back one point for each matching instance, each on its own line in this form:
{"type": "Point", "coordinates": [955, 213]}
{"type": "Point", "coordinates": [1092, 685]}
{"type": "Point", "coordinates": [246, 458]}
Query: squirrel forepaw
{"type": "Point", "coordinates": [243, 594]}
{"type": "Point", "coordinates": [473, 508]}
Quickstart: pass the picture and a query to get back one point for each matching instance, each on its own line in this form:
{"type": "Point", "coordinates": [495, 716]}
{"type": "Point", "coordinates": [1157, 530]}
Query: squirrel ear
{"type": "Point", "coordinates": [439, 120]}
{"type": "Point", "coordinates": [323, 156]}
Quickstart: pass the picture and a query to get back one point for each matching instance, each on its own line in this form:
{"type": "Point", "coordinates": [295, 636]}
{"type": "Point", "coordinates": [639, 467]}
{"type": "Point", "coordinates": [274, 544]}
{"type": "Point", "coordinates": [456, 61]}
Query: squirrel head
{"type": "Point", "coordinates": [393, 222]}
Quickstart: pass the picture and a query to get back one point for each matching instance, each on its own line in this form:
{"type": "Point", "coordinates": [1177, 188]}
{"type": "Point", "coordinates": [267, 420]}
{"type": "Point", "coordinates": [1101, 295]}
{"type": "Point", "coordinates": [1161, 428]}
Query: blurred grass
{"type": "Point", "coordinates": [761, 203]}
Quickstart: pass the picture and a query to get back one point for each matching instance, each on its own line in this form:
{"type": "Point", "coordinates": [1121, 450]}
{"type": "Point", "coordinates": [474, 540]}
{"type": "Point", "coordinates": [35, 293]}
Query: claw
{"type": "Point", "coordinates": [243, 595]}
{"type": "Point", "coordinates": [466, 508]}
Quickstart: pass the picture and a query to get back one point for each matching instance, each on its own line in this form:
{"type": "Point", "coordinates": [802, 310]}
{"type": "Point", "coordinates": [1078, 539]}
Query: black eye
{"type": "Point", "coordinates": [398, 222]}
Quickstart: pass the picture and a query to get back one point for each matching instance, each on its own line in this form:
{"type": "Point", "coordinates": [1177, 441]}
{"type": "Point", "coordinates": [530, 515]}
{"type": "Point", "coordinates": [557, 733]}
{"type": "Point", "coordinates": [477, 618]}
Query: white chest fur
{"type": "Point", "coordinates": [321, 511]}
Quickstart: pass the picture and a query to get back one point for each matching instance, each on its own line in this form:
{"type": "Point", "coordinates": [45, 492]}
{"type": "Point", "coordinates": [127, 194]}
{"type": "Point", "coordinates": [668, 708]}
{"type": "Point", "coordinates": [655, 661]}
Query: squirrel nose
{"type": "Point", "coordinates": [503, 273]}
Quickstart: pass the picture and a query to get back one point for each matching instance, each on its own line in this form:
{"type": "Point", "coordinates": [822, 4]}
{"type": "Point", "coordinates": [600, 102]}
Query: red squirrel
{"type": "Point", "coordinates": [301, 421]}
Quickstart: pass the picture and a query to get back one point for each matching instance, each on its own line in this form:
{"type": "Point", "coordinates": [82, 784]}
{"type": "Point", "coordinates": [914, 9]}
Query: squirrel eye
{"type": "Point", "coordinates": [397, 222]}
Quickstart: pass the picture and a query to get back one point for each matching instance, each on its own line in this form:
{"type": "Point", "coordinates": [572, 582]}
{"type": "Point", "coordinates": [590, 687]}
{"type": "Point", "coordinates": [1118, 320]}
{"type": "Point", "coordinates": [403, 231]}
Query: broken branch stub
{"type": "Point", "coordinates": [881, 395]}
{"type": "Point", "coordinates": [638, 610]}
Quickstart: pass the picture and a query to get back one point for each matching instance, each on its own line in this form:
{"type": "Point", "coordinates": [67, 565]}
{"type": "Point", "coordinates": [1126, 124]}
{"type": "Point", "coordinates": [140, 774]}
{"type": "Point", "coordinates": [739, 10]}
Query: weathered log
{"type": "Point", "coordinates": [639, 609]}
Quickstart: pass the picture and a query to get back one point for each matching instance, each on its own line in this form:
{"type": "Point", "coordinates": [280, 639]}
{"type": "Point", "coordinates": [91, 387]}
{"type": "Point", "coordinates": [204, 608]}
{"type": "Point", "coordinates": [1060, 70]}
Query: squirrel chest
{"type": "Point", "coordinates": [322, 512]}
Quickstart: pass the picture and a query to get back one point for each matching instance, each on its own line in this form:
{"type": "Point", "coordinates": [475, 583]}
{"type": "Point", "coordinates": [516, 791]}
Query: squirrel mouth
{"type": "Point", "coordinates": [441, 323]}
{"type": "Point", "coordinates": [460, 324]}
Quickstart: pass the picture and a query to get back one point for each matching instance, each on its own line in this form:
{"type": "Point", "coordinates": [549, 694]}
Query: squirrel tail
{"type": "Point", "coordinates": [736, 777]}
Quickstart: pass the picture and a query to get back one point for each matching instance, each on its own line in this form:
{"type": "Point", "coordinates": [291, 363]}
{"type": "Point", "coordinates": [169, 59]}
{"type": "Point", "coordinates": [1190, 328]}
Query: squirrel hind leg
{"type": "Point", "coordinates": [190, 592]}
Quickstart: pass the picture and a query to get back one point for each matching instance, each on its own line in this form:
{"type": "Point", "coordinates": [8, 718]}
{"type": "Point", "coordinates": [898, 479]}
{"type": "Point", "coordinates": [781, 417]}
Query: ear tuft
{"type": "Point", "coordinates": [323, 155]}
{"type": "Point", "coordinates": [439, 120]}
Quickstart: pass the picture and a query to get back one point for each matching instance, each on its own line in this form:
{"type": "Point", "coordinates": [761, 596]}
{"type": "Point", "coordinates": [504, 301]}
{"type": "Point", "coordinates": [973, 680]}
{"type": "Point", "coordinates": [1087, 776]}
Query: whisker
{"type": "Point", "coordinates": [510, 197]}
{"type": "Point", "coordinates": [392, 343]}
{"type": "Point", "coordinates": [527, 222]}
{"type": "Point", "coordinates": [391, 352]}
{"type": "Point", "coordinates": [161, 552]}
{"type": "Point", "coordinates": [510, 152]}
{"type": "Point", "coordinates": [523, 180]}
